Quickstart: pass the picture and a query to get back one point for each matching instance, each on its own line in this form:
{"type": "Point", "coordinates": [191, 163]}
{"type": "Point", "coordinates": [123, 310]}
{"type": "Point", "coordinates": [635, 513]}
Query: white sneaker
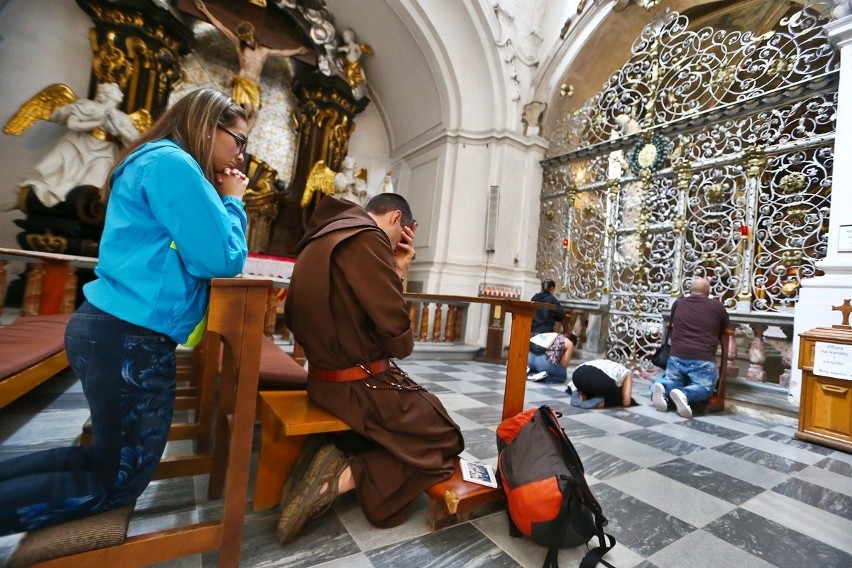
{"type": "Point", "coordinates": [658, 397]}
{"type": "Point", "coordinates": [540, 376]}
{"type": "Point", "coordinates": [681, 403]}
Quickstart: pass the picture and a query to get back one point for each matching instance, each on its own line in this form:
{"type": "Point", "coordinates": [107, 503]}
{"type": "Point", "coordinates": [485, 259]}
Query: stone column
{"type": "Point", "coordinates": [819, 294]}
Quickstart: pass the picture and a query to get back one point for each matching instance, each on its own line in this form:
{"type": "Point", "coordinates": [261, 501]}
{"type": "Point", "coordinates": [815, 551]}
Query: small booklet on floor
{"type": "Point", "coordinates": [478, 473]}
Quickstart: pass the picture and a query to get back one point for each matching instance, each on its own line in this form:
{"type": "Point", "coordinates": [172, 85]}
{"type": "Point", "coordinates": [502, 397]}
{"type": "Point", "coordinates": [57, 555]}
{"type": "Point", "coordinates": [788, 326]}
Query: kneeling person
{"type": "Point", "coordinates": [345, 307]}
{"type": "Point", "coordinates": [608, 382]}
{"type": "Point", "coordinates": [550, 366]}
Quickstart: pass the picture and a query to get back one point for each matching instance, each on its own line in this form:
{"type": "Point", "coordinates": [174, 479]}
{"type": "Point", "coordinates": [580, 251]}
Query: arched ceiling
{"type": "Point", "coordinates": [435, 69]}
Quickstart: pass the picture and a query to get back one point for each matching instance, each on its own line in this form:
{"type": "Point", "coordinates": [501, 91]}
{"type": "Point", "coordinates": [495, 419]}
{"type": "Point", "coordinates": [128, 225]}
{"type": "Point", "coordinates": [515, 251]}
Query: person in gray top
{"type": "Point", "coordinates": [698, 325]}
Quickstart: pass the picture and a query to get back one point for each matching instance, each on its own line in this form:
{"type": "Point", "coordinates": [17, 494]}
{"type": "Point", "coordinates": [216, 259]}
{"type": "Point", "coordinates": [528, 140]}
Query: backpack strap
{"type": "Point", "coordinates": [575, 467]}
{"type": "Point", "coordinates": [552, 558]}
{"type": "Point", "coordinates": [595, 555]}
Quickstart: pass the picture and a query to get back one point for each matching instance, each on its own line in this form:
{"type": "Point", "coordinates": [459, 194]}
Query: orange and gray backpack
{"type": "Point", "coordinates": [547, 494]}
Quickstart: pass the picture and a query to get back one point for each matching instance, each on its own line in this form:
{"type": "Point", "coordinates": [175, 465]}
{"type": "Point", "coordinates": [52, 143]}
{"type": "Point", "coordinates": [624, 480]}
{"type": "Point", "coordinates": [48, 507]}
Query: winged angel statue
{"type": "Point", "coordinates": [347, 184]}
{"type": "Point", "coordinates": [85, 154]}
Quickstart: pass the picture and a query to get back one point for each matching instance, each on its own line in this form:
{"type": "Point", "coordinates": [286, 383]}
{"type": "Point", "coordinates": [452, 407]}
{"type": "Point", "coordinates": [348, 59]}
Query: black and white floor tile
{"type": "Point", "coordinates": [730, 489]}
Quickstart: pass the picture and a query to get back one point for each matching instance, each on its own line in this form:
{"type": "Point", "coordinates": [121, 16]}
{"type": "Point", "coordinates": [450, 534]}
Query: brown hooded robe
{"type": "Point", "coordinates": [345, 307]}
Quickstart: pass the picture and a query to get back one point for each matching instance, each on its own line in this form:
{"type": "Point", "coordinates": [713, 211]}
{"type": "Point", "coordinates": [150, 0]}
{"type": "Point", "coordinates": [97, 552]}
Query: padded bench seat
{"type": "Point", "coordinates": [32, 350]}
{"type": "Point", "coordinates": [278, 371]}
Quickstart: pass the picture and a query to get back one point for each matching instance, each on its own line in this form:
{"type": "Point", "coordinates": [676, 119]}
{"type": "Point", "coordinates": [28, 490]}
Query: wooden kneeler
{"type": "Point", "coordinates": [455, 500]}
{"type": "Point", "coordinates": [235, 321]}
{"type": "Point", "coordinates": [716, 402]}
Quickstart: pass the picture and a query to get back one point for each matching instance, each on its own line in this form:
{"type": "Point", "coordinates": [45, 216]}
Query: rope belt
{"type": "Point", "coordinates": [355, 373]}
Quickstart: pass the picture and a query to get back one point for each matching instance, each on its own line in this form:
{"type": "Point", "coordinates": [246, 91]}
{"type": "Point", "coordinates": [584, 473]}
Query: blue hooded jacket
{"type": "Point", "coordinates": [166, 234]}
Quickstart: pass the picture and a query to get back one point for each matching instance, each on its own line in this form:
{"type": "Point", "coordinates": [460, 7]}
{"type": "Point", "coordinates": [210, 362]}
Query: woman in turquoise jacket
{"type": "Point", "coordinates": [174, 220]}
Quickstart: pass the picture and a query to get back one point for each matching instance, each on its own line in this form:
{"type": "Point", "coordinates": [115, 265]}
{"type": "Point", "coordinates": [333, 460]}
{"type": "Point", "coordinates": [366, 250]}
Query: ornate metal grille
{"type": "Point", "coordinates": [708, 153]}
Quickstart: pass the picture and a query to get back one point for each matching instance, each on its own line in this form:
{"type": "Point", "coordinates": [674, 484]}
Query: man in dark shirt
{"type": "Point", "coordinates": [698, 325]}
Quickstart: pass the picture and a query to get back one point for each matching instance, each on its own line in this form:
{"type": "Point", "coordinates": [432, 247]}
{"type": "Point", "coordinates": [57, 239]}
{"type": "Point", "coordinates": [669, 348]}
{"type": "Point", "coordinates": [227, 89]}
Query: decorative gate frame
{"type": "Point", "coordinates": [709, 153]}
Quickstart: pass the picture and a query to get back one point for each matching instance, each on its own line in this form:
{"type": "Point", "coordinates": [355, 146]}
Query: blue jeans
{"type": "Point", "coordinates": [128, 377]}
{"type": "Point", "coordinates": [696, 378]}
{"type": "Point", "coordinates": [555, 373]}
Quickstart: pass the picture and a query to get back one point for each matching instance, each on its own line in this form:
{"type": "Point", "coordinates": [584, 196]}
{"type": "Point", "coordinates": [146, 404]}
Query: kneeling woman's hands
{"type": "Point", "coordinates": [231, 181]}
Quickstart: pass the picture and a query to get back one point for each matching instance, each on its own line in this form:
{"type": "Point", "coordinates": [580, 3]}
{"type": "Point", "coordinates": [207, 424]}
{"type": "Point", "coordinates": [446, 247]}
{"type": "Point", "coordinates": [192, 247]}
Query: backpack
{"type": "Point", "coordinates": [546, 491]}
{"type": "Point", "coordinates": [540, 343]}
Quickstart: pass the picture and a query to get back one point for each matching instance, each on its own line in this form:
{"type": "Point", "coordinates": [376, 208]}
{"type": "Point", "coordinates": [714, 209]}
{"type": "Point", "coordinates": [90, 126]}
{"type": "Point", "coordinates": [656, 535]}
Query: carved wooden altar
{"type": "Point", "coordinates": [141, 46]}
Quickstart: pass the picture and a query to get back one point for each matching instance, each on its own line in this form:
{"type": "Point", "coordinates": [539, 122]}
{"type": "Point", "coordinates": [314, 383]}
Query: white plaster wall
{"type": "Point", "coordinates": [41, 42]}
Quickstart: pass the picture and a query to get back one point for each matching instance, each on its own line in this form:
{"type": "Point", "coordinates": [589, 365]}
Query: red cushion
{"type": "Point", "coordinates": [278, 371]}
{"type": "Point", "coordinates": [30, 340]}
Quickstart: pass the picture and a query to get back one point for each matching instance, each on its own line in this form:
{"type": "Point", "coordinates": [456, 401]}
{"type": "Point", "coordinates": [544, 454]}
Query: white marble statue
{"type": "Point", "coordinates": [387, 182]}
{"type": "Point", "coordinates": [348, 185]}
{"type": "Point", "coordinates": [352, 52]}
{"type": "Point", "coordinates": [85, 155]}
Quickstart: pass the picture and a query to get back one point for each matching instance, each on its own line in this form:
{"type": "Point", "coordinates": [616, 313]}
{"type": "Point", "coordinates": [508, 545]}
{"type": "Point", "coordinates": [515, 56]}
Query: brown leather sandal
{"type": "Point", "coordinates": [297, 474]}
{"type": "Point", "coordinates": [307, 501]}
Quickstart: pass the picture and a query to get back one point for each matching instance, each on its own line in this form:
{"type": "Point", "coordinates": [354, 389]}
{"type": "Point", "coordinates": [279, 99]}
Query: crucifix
{"type": "Point", "coordinates": [845, 309]}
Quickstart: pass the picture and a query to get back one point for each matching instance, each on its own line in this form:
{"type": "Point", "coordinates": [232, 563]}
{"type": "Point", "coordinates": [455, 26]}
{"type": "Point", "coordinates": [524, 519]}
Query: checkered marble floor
{"type": "Point", "coordinates": [729, 489]}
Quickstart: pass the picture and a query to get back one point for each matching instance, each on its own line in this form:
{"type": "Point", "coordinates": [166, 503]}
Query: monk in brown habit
{"type": "Point", "coordinates": [345, 307]}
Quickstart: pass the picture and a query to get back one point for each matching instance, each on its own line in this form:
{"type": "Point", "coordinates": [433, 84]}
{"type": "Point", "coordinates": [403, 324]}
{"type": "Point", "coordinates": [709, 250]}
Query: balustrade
{"type": "Point", "coordinates": [772, 329]}
{"type": "Point", "coordinates": [436, 321]}
{"type": "Point", "coordinates": [51, 285]}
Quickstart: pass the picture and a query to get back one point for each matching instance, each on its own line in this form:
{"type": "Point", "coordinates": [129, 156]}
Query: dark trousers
{"type": "Point", "coordinates": [128, 377]}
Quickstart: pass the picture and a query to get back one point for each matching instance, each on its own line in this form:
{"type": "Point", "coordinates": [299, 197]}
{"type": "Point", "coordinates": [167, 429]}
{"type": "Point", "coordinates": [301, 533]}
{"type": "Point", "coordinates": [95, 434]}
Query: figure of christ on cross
{"type": "Point", "coordinates": [246, 84]}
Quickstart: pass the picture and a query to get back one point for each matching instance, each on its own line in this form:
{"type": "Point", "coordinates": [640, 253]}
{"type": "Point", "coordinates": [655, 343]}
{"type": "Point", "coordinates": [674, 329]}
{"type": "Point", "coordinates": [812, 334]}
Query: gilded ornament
{"type": "Point", "coordinates": [715, 192]}
{"type": "Point", "coordinates": [321, 179]}
{"type": "Point", "coordinates": [683, 171]}
{"type": "Point", "coordinates": [39, 107]}
{"type": "Point", "coordinates": [109, 63]}
{"type": "Point", "coordinates": [723, 77]}
{"type": "Point", "coordinates": [796, 215]}
{"type": "Point", "coordinates": [791, 258]}
{"type": "Point", "coordinates": [781, 65]}
{"type": "Point", "coordinates": [47, 242]}
{"type": "Point", "coordinates": [790, 287]}
{"type": "Point", "coordinates": [613, 187]}
{"type": "Point", "coordinates": [755, 158]}
{"type": "Point", "coordinates": [792, 183]}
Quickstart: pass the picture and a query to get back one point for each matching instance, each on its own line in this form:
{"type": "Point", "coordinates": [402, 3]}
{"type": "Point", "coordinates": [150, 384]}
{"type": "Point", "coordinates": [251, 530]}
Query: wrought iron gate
{"type": "Point", "coordinates": [708, 153]}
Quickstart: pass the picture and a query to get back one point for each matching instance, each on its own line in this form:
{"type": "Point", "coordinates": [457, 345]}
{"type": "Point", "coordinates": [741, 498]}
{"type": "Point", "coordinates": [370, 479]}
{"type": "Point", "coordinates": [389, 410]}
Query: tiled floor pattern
{"type": "Point", "coordinates": [723, 490]}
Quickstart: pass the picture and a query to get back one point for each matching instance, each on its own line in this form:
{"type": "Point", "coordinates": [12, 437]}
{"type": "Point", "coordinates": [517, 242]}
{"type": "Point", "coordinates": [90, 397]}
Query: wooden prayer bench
{"type": "Point", "coordinates": [32, 350]}
{"type": "Point", "coordinates": [233, 344]}
{"type": "Point", "coordinates": [288, 418]}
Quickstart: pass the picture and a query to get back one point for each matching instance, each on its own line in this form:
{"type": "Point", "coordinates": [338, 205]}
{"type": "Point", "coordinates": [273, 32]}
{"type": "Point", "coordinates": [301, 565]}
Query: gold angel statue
{"type": "Point", "coordinates": [87, 152]}
{"type": "Point", "coordinates": [347, 184]}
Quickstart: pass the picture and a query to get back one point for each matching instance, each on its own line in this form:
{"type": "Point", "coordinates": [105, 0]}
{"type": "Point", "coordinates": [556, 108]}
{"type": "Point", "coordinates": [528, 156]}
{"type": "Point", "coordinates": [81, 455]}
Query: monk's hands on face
{"type": "Point", "coordinates": [404, 252]}
{"type": "Point", "coordinates": [230, 181]}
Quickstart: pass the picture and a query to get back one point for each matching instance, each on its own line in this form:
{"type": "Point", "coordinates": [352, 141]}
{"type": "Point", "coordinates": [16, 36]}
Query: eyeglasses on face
{"type": "Point", "coordinates": [240, 140]}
